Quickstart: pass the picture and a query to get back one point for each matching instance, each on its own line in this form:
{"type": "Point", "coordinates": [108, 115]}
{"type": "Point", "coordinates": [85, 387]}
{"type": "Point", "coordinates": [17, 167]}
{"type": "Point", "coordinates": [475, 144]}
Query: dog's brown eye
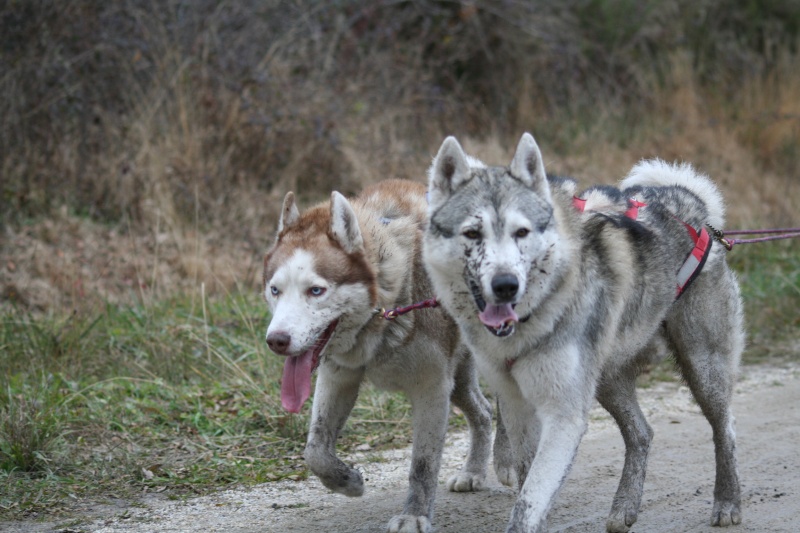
{"type": "Point", "coordinates": [472, 234]}
{"type": "Point", "coordinates": [521, 232]}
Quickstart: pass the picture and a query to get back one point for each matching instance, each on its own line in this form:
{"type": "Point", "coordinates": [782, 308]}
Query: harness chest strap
{"type": "Point", "coordinates": [697, 257]}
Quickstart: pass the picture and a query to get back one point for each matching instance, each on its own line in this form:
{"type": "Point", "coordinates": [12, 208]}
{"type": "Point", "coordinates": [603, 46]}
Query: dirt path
{"type": "Point", "coordinates": [677, 498]}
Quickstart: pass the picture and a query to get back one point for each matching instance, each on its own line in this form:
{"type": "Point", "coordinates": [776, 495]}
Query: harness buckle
{"type": "Point", "coordinates": [719, 236]}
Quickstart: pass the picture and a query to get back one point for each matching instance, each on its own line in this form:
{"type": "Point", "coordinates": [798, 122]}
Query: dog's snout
{"type": "Point", "coordinates": [505, 287]}
{"type": "Point", "coordinates": [279, 342]}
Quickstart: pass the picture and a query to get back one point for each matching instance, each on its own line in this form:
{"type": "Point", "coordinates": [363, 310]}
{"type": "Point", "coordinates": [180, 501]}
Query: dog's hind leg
{"type": "Point", "coordinates": [617, 394]}
{"type": "Point", "coordinates": [335, 395]}
{"type": "Point", "coordinates": [711, 387]}
{"type": "Point", "coordinates": [430, 404]}
{"type": "Point", "coordinates": [468, 397]}
{"type": "Point", "coordinates": [708, 339]}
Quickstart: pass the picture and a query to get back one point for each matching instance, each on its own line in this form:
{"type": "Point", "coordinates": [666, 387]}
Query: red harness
{"type": "Point", "coordinates": [697, 257]}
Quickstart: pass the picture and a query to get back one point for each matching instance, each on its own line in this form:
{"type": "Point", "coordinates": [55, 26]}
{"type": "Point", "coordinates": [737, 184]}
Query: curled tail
{"type": "Point", "coordinates": [659, 173]}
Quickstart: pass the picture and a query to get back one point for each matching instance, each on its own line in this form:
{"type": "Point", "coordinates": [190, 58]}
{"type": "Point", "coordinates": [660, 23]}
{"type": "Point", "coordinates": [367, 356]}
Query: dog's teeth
{"type": "Point", "coordinates": [504, 330]}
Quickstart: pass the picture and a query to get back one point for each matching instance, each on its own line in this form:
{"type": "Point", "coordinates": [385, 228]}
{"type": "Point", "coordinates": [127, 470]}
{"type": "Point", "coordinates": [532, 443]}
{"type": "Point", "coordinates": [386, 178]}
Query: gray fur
{"type": "Point", "coordinates": [596, 302]}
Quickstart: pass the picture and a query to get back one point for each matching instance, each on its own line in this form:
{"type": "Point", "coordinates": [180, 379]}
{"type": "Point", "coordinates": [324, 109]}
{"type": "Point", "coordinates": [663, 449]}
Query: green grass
{"type": "Point", "coordinates": [181, 396]}
{"type": "Point", "coordinates": [769, 277]}
{"type": "Point", "coordinates": [176, 397]}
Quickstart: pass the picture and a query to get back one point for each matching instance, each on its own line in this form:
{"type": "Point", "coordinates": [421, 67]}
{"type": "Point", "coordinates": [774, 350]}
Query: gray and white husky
{"type": "Point", "coordinates": [329, 270]}
{"type": "Point", "coordinates": [563, 298]}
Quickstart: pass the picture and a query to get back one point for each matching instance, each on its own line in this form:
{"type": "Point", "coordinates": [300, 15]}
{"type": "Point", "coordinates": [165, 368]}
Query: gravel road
{"type": "Point", "coordinates": [677, 497]}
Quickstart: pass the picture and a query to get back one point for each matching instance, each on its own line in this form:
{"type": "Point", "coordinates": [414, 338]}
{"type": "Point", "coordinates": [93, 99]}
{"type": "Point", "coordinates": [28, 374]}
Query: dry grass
{"type": "Point", "coordinates": [749, 146]}
{"type": "Point", "coordinates": [148, 143]}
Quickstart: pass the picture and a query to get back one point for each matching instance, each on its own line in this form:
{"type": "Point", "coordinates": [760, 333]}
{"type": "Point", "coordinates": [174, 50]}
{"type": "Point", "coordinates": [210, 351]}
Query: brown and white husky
{"type": "Point", "coordinates": [328, 272]}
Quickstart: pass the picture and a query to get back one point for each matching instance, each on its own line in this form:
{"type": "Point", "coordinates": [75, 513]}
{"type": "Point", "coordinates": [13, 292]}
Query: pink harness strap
{"type": "Point", "coordinates": [632, 212]}
{"type": "Point", "coordinates": [697, 258]}
{"type": "Point", "coordinates": [633, 208]}
{"type": "Point", "coordinates": [579, 204]}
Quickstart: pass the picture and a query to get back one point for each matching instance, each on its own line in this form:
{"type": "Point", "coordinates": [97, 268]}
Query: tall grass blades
{"type": "Point", "coordinates": [31, 424]}
{"type": "Point", "coordinates": [769, 275]}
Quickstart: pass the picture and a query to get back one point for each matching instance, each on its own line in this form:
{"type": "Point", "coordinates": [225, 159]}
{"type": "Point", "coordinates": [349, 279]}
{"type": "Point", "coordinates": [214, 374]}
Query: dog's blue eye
{"type": "Point", "coordinates": [472, 234]}
{"type": "Point", "coordinates": [316, 291]}
{"type": "Point", "coordinates": [274, 290]}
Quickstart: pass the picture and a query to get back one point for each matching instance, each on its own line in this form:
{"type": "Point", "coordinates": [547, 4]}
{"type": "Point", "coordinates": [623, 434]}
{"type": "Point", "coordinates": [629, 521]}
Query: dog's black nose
{"type": "Point", "coordinates": [279, 342]}
{"type": "Point", "coordinates": [505, 287]}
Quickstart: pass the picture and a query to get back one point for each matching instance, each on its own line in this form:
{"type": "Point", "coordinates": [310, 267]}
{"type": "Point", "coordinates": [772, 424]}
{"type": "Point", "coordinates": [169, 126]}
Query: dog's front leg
{"type": "Point", "coordinates": [521, 426]}
{"type": "Point", "coordinates": [558, 444]}
{"type": "Point", "coordinates": [430, 405]}
{"type": "Point", "coordinates": [335, 395]}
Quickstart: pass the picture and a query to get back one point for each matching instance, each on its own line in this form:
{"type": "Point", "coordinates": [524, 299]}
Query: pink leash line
{"type": "Point", "coordinates": [391, 314]}
{"type": "Point", "coordinates": [762, 231]}
{"type": "Point", "coordinates": [773, 235]}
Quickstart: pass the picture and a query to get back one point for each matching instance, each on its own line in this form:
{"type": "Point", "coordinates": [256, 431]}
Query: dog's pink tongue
{"type": "Point", "coordinates": [495, 316]}
{"type": "Point", "coordinates": [296, 383]}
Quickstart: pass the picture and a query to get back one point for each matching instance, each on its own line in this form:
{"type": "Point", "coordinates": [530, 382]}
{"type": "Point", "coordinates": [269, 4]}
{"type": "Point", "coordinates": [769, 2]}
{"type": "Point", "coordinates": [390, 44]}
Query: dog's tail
{"type": "Point", "coordinates": [659, 173]}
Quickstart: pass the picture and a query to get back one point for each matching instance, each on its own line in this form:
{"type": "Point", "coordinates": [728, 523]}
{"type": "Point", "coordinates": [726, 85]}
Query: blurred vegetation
{"type": "Point", "coordinates": [769, 277]}
{"type": "Point", "coordinates": [122, 108]}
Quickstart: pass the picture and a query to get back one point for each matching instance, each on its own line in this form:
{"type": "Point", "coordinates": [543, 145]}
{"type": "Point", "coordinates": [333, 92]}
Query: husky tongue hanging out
{"type": "Point", "coordinates": [564, 298]}
{"type": "Point", "coordinates": [327, 272]}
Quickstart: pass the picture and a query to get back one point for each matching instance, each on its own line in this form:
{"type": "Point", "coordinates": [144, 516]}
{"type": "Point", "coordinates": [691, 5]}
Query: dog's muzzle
{"type": "Point", "coordinates": [499, 317]}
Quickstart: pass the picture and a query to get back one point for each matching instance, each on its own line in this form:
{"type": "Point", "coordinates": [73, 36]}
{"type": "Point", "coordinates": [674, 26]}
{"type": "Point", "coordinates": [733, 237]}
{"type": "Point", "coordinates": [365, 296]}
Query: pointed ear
{"type": "Point", "coordinates": [449, 170]}
{"type": "Point", "coordinates": [344, 224]}
{"type": "Point", "coordinates": [289, 212]}
{"type": "Point", "coordinates": [527, 165]}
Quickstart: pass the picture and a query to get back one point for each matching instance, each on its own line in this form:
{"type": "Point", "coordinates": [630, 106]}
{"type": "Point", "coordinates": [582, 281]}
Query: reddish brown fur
{"type": "Point", "coordinates": [312, 232]}
{"type": "Point", "coordinates": [403, 194]}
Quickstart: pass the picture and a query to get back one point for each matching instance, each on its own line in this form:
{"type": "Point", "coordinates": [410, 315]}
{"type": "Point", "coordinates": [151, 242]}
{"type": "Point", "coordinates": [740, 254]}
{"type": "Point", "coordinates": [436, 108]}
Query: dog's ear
{"type": "Point", "coordinates": [527, 165]}
{"type": "Point", "coordinates": [450, 169]}
{"type": "Point", "coordinates": [289, 212]}
{"type": "Point", "coordinates": [344, 224]}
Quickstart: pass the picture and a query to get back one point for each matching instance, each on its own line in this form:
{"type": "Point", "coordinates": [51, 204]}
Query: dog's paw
{"type": "Point", "coordinates": [726, 514]}
{"type": "Point", "coordinates": [466, 482]}
{"type": "Point", "coordinates": [621, 520]}
{"type": "Point", "coordinates": [506, 476]}
{"type": "Point", "coordinates": [352, 485]}
{"type": "Point", "coordinates": [347, 481]}
{"type": "Point", "coordinates": [407, 523]}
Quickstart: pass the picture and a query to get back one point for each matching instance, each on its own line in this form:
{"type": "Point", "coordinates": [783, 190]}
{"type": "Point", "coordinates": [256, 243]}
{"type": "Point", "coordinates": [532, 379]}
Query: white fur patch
{"type": "Point", "coordinates": [294, 311]}
{"type": "Point", "coordinates": [303, 316]}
